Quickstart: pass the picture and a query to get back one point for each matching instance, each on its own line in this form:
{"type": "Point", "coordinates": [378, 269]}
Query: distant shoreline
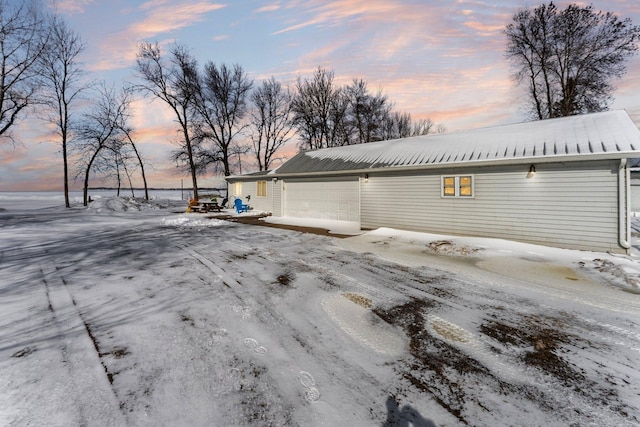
{"type": "Point", "coordinates": [154, 189]}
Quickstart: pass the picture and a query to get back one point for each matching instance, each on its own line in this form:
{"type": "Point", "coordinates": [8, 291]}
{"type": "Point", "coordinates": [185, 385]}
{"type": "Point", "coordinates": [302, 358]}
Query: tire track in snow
{"type": "Point", "coordinates": [89, 376]}
{"type": "Point", "coordinates": [311, 393]}
{"type": "Point", "coordinates": [226, 279]}
{"type": "Point", "coordinates": [331, 365]}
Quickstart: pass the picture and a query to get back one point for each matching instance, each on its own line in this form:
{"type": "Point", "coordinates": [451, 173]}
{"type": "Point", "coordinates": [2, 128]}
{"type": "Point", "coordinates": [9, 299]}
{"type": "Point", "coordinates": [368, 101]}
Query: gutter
{"type": "Point", "coordinates": [624, 231]}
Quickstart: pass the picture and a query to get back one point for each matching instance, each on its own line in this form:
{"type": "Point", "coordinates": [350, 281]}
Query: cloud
{"type": "Point", "coordinates": [336, 12]}
{"type": "Point", "coordinates": [70, 7]}
{"type": "Point", "coordinates": [427, 57]}
{"type": "Point", "coordinates": [483, 28]}
{"type": "Point", "coordinates": [268, 8]}
{"type": "Point", "coordinates": [384, 31]}
{"type": "Point", "coordinates": [162, 17]}
{"type": "Point", "coordinates": [31, 166]}
{"type": "Point", "coordinates": [151, 4]}
{"type": "Point", "coordinates": [10, 154]}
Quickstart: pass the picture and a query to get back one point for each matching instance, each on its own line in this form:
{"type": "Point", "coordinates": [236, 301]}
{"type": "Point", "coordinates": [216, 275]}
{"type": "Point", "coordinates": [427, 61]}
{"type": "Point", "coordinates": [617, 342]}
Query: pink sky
{"type": "Point", "coordinates": [442, 60]}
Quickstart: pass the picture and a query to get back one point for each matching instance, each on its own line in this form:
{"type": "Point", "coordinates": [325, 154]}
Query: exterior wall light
{"type": "Point", "coordinates": [532, 171]}
{"type": "Point", "coordinates": [366, 178]}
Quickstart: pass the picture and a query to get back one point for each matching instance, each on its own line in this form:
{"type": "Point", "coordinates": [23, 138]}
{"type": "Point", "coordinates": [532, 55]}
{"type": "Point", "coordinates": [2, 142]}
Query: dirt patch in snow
{"type": "Point", "coordinates": [541, 346]}
{"type": "Point", "coordinates": [612, 273]}
{"type": "Point", "coordinates": [437, 366]}
{"type": "Point", "coordinates": [447, 247]}
{"type": "Point", "coordinates": [255, 220]}
{"type": "Point", "coordinates": [358, 299]}
{"type": "Point", "coordinates": [442, 367]}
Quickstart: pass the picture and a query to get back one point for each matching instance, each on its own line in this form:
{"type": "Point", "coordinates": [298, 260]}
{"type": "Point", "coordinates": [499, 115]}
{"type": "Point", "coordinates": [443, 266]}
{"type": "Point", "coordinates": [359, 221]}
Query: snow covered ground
{"type": "Point", "coordinates": [130, 313]}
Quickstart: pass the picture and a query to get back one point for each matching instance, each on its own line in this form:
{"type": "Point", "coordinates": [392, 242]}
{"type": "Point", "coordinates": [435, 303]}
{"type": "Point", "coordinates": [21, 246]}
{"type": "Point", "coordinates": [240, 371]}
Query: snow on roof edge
{"type": "Point", "coordinates": [604, 135]}
{"type": "Point", "coordinates": [598, 134]}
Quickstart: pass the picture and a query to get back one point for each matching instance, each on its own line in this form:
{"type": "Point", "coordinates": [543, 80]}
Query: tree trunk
{"type": "Point", "coordinates": [192, 165]}
{"type": "Point", "coordinates": [144, 177]}
{"type": "Point", "coordinates": [86, 178]}
{"type": "Point", "coordinates": [66, 174]}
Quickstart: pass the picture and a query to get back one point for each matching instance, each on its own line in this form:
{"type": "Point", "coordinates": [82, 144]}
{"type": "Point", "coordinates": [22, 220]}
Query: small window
{"type": "Point", "coordinates": [261, 190]}
{"type": "Point", "coordinates": [457, 186]}
{"type": "Point", "coordinates": [237, 189]}
{"type": "Point", "coordinates": [448, 186]}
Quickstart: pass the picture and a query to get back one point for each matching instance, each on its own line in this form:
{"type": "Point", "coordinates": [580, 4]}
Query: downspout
{"type": "Point", "coordinates": [624, 201]}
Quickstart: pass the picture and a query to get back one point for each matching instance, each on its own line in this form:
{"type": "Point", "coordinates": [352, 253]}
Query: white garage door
{"type": "Point", "coordinates": [336, 200]}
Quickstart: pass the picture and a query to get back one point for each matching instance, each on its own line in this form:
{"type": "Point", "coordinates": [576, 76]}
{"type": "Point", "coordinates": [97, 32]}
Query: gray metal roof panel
{"type": "Point", "coordinates": [584, 135]}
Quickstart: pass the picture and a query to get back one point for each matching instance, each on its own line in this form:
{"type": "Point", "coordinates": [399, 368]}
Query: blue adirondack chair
{"type": "Point", "coordinates": [240, 207]}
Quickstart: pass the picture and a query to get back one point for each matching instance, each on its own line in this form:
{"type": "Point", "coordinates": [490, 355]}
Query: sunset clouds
{"type": "Point", "coordinates": [437, 59]}
{"type": "Point", "coordinates": [153, 19]}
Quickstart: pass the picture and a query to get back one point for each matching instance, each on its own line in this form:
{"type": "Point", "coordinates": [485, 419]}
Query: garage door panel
{"type": "Point", "coordinates": [338, 200]}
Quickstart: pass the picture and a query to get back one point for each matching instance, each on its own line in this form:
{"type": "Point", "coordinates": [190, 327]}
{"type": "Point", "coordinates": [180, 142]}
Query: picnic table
{"type": "Point", "coordinates": [204, 206]}
{"type": "Point", "coordinates": [208, 206]}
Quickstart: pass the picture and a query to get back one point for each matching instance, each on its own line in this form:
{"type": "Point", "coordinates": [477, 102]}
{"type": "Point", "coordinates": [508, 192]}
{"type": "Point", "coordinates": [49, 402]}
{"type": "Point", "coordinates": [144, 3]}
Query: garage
{"type": "Point", "coordinates": [334, 199]}
{"type": "Point", "coordinates": [560, 182]}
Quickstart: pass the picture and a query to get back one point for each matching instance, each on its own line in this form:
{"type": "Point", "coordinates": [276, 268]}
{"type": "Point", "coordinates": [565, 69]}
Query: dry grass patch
{"type": "Point", "coordinates": [358, 299]}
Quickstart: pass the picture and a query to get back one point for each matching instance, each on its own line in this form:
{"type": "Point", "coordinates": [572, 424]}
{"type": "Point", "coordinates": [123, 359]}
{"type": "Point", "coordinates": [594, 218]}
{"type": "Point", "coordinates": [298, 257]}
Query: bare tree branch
{"type": "Point", "coordinates": [173, 80]}
{"type": "Point", "coordinates": [222, 106]}
{"type": "Point", "coordinates": [271, 121]}
{"type": "Point", "coordinates": [23, 37]}
{"type": "Point", "coordinates": [568, 58]}
{"type": "Point", "coordinates": [62, 76]}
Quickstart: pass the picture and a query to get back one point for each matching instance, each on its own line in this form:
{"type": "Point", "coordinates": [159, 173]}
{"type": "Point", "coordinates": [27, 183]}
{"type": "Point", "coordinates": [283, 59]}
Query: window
{"type": "Point", "coordinates": [261, 190]}
{"type": "Point", "coordinates": [237, 189]}
{"type": "Point", "coordinates": [457, 186]}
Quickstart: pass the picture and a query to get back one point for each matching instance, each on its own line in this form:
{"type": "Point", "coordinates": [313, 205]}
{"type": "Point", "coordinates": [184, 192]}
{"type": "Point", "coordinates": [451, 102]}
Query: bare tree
{"type": "Point", "coordinates": [423, 127]}
{"type": "Point", "coordinates": [271, 121]}
{"type": "Point", "coordinates": [340, 130]}
{"type": "Point", "coordinates": [118, 158]}
{"type": "Point", "coordinates": [327, 115]}
{"type": "Point", "coordinates": [98, 131]}
{"type": "Point", "coordinates": [568, 58]}
{"type": "Point", "coordinates": [126, 131]}
{"type": "Point", "coordinates": [222, 106]}
{"type": "Point", "coordinates": [175, 82]}
{"type": "Point", "coordinates": [61, 76]}
{"type": "Point", "coordinates": [401, 125]}
{"type": "Point", "coordinates": [366, 112]}
{"type": "Point", "coordinates": [23, 37]}
{"type": "Point", "coordinates": [312, 110]}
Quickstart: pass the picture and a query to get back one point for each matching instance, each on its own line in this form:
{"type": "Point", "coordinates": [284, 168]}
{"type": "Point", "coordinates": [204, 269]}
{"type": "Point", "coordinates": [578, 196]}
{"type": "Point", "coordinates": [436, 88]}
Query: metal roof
{"type": "Point", "coordinates": [258, 173]}
{"type": "Point", "coordinates": [610, 134]}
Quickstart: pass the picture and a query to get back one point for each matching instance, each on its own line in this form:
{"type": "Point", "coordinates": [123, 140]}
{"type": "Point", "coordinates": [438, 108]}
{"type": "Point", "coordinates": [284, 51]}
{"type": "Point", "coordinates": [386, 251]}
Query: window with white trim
{"type": "Point", "coordinates": [457, 186]}
{"type": "Point", "coordinates": [261, 188]}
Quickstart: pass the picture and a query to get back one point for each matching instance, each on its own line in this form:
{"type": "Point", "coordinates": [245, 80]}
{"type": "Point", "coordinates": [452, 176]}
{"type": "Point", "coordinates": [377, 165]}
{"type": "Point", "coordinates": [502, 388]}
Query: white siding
{"type": "Point", "coordinates": [635, 191]}
{"type": "Point", "coordinates": [250, 188]}
{"type": "Point", "coordinates": [567, 205]}
{"type": "Point", "coordinates": [336, 199]}
{"type": "Point", "coordinates": [277, 198]}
